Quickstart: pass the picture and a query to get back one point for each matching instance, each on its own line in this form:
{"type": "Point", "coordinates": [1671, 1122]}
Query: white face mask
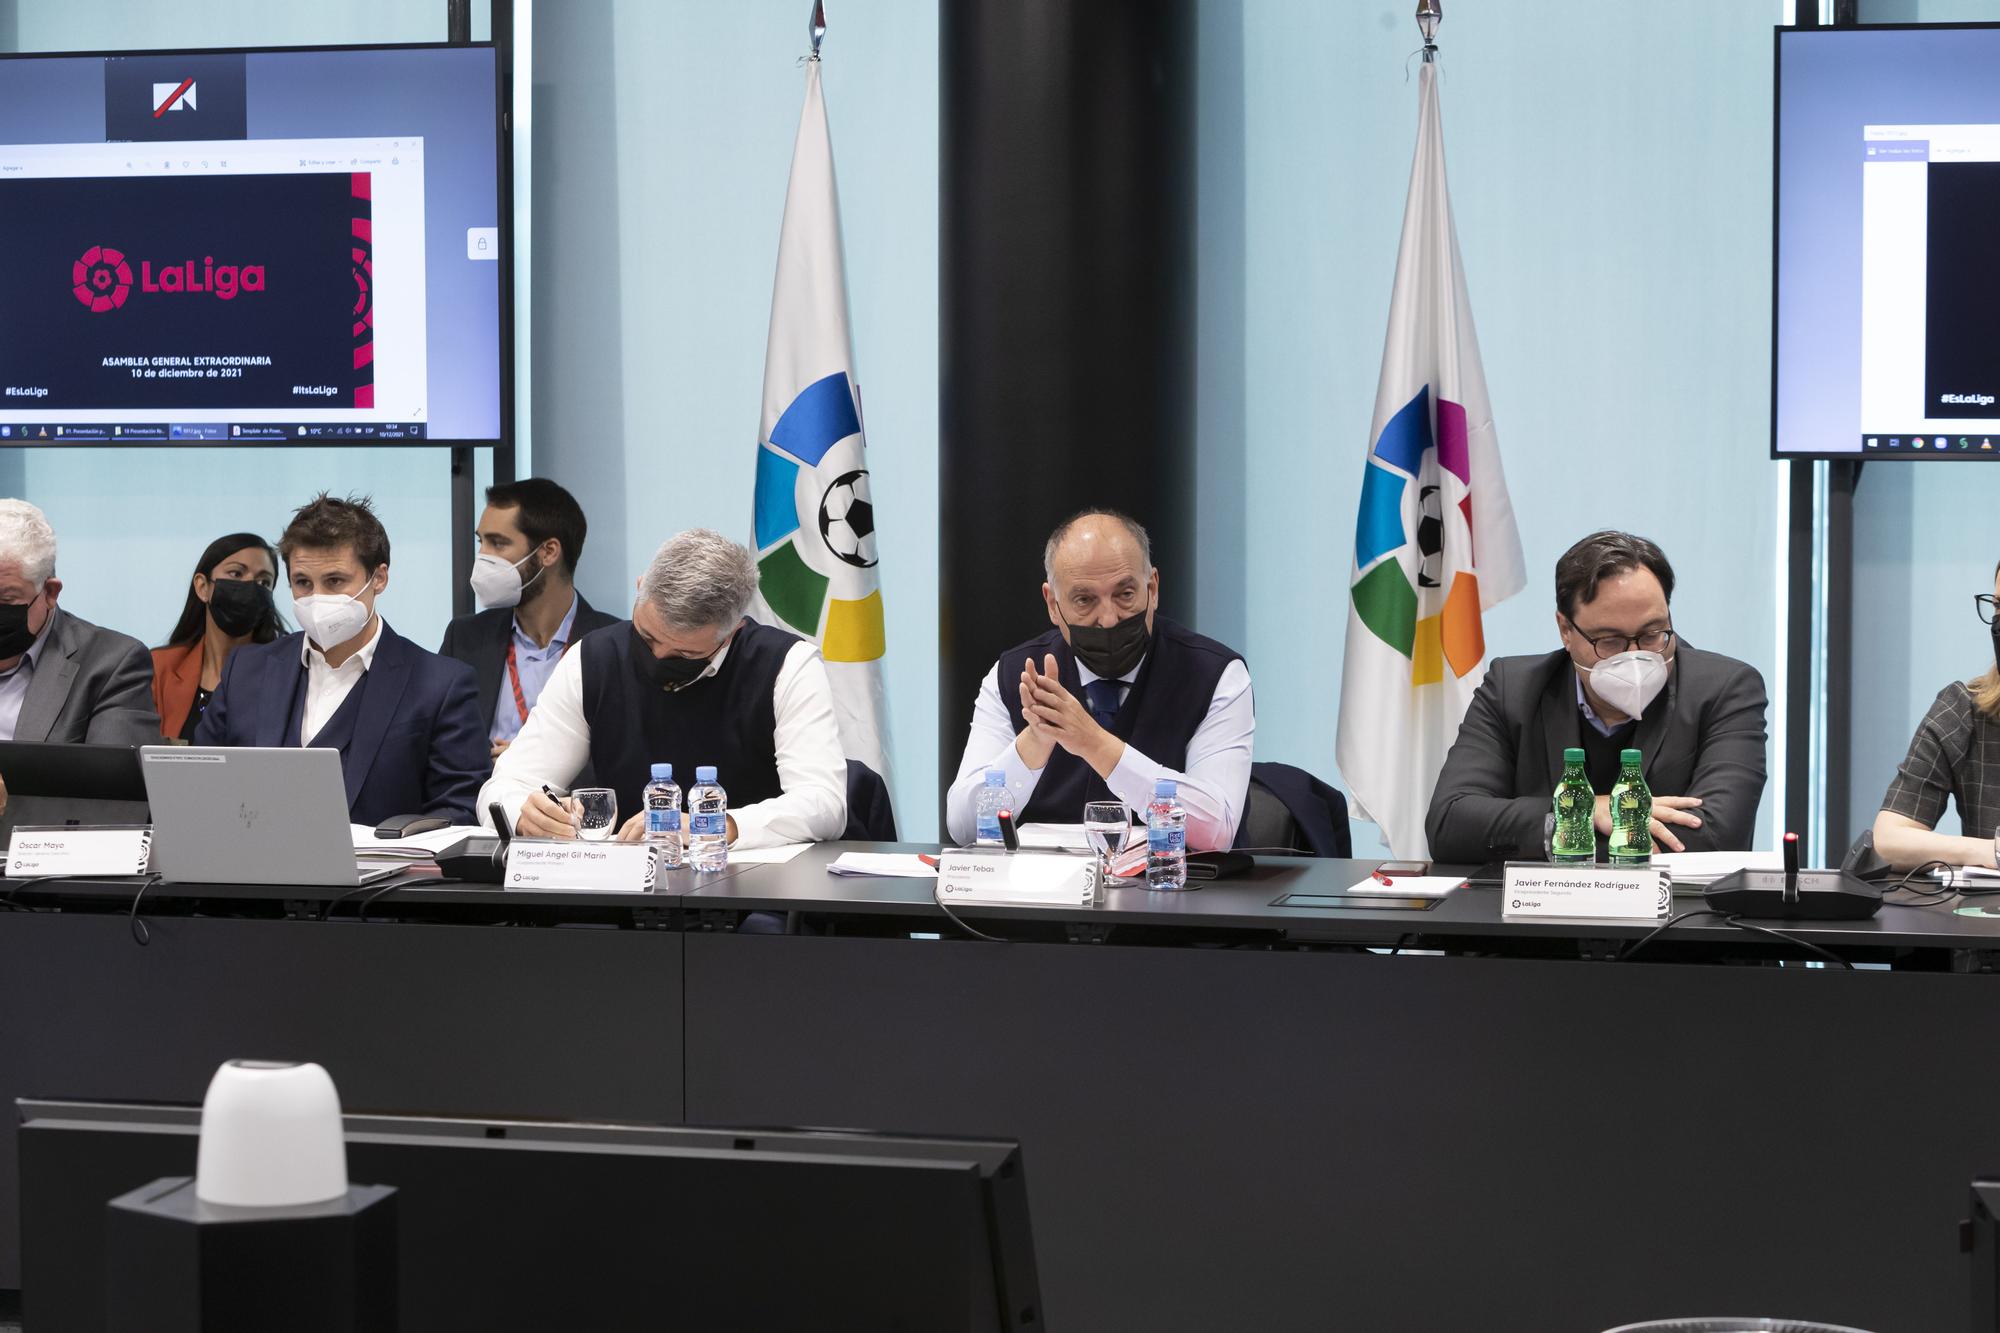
{"type": "Point", "coordinates": [330, 620]}
{"type": "Point", "coordinates": [1630, 681]}
{"type": "Point", "coordinates": [496, 583]}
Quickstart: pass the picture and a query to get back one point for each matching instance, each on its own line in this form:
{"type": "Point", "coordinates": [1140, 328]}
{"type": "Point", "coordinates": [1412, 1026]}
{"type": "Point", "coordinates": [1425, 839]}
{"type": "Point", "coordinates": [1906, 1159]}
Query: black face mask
{"type": "Point", "coordinates": [1111, 652]}
{"type": "Point", "coordinates": [666, 673]}
{"type": "Point", "coordinates": [15, 636]}
{"type": "Point", "coordinates": [238, 606]}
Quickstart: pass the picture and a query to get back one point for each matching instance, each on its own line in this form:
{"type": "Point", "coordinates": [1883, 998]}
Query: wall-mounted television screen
{"type": "Point", "coordinates": [301, 246]}
{"type": "Point", "coordinates": [1887, 279]}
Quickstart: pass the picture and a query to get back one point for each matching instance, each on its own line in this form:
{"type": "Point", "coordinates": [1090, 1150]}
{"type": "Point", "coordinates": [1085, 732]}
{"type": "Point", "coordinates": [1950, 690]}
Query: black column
{"type": "Point", "coordinates": [1066, 295]}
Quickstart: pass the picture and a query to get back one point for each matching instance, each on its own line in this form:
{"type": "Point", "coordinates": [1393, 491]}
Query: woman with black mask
{"type": "Point", "coordinates": [228, 605]}
{"type": "Point", "coordinates": [1955, 757]}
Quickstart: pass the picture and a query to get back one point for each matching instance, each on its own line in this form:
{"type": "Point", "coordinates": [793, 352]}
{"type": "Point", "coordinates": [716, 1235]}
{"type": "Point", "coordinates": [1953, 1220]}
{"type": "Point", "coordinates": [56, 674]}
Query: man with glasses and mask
{"type": "Point", "coordinates": [687, 681]}
{"type": "Point", "coordinates": [1112, 697]}
{"type": "Point", "coordinates": [1623, 679]}
{"type": "Point", "coordinates": [530, 538]}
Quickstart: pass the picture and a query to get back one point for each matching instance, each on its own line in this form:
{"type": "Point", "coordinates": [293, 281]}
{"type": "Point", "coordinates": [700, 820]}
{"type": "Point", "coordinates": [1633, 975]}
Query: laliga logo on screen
{"type": "Point", "coordinates": [102, 278]}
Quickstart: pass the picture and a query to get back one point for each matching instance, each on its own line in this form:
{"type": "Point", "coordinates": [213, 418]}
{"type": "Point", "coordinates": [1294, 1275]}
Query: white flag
{"type": "Point", "coordinates": [1435, 542]}
{"type": "Point", "coordinates": [814, 520]}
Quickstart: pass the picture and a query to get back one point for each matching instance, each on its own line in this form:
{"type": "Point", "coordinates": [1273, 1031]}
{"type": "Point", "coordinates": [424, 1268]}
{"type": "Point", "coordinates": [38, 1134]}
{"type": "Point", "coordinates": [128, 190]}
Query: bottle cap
{"type": "Point", "coordinates": [996, 777]}
{"type": "Point", "coordinates": [1165, 787]}
{"type": "Point", "coordinates": [1572, 756]}
{"type": "Point", "coordinates": [704, 773]}
{"type": "Point", "coordinates": [1628, 756]}
{"type": "Point", "coordinates": [663, 772]}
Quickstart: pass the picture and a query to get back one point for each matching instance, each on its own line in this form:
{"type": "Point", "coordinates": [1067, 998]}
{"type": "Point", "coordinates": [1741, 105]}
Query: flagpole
{"type": "Point", "coordinates": [1430, 13]}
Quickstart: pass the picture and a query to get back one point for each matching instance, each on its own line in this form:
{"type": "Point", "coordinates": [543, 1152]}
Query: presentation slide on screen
{"type": "Point", "coordinates": [1930, 353]}
{"type": "Point", "coordinates": [1888, 182]}
{"type": "Point", "coordinates": [264, 281]}
{"type": "Point", "coordinates": [286, 246]}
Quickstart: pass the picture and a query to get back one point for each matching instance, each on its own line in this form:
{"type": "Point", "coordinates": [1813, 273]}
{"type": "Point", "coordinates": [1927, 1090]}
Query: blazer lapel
{"type": "Point", "coordinates": [1655, 726]}
{"type": "Point", "coordinates": [381, 691]}
{"type": "Point", "coordinates": [274, 698]}
{"type": "Point", "coordinates": [48, 686]}
{"type": "Point", "coordinates": [1557, 720]}
{"type": "Point", "coordinates": [492, 666]}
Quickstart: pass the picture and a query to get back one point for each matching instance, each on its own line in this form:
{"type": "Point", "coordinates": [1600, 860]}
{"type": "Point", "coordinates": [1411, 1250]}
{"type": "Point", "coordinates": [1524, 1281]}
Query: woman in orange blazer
{"type": "Point", "coordinates": [228, 605]}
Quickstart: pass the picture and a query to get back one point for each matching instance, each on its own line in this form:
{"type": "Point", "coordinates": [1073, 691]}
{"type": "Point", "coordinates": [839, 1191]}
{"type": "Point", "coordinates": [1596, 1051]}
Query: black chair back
{"type": "Point", "coordinates": [1289, 807]}
{"type": "Point", "coordinates": [870, 815]}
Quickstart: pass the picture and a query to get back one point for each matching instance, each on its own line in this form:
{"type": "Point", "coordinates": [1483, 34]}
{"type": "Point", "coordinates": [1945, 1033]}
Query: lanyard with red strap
{"type": "Point", "coordinates": [514, 677]}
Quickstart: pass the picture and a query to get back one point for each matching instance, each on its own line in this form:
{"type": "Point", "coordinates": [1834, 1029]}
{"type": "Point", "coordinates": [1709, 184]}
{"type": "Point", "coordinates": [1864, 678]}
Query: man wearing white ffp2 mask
{"type": "Point", "coordinates": [403, 719]}
{"type": "Point", "coordinates": [1623, 679]}
{"type": "Point", "coordinates": [530, 539]}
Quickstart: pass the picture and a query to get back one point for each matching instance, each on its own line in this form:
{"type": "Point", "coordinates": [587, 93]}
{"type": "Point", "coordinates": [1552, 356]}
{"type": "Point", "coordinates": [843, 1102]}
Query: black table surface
{"type": "Point", "coordinates": [1249, 902]}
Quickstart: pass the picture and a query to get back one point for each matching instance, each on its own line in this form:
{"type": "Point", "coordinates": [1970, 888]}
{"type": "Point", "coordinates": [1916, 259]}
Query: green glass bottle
{"type": "Point", "coordinates": [1631, 814]}
{"type": "Point", "coordinates": [1575, 837]}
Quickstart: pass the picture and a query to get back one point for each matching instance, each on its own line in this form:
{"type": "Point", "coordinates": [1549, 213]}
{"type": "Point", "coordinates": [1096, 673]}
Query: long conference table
{"type": "Point", "coordinates": [1233, 1113]}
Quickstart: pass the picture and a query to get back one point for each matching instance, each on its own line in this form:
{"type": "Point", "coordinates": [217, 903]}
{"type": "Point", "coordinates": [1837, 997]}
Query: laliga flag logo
{"type": "Point", "coordinates": [101, 279]}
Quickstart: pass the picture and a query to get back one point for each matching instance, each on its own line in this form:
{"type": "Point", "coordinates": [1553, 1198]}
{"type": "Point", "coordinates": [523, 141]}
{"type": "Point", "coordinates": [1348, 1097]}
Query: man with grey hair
{"type": "Point", "coordinates": [1111, 699]}
{"type": "Point", "coordinates": [687, 681]}
{"type": "Point", "coordinates": [61, 677]}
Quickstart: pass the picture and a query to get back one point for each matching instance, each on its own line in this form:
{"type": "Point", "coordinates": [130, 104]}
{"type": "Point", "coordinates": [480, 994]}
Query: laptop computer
{"type": "Point", "coordinates": [250, 816]}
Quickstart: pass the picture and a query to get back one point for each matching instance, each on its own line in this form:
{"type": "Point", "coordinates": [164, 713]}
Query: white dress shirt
{"type": "Point", "coordinates": [554, 746]}
{"type": "Point", "coordinates": [1211, 790]}
{"type": "Point", "coordinates": [327, 687]}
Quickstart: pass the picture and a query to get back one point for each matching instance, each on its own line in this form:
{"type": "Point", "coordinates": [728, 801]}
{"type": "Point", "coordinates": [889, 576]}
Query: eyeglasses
{"type": "Point", "coordinates": [1610, 645]}
{"type": "Point", "coordinates": [1984, 604]}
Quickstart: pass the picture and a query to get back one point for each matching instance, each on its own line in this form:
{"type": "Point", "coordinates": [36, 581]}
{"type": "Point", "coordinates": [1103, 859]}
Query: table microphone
{"type": "Point", "coordinates": [1795, 894]}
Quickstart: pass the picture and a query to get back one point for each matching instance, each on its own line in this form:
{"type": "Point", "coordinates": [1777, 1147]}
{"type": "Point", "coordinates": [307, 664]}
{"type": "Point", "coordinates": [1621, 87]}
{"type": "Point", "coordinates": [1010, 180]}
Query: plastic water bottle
{"type": "Point", "coordinates": [987, 803]}
{"type": "Point", "coordinates": [1631, 814]}
{"type": "Point", "coordinates": [708, 821]}
{"type": "Point", "coordinates": [663, 816]}
{"type": "Point", "coordinates": [1575, 837]}
{"type": "Point", "coordinates": [1166, 838]}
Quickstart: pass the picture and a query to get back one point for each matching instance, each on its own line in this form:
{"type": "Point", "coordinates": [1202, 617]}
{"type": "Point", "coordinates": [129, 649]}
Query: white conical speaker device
{"type": "Point", "coordinates": [271, 1137]}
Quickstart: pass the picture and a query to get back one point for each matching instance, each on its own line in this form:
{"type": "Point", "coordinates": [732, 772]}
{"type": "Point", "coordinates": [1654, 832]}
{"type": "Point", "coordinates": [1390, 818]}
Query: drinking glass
{"type": "Point", "coordinates": [1106, 823]}
{"type": "Point", "coordinates": [597, 809]}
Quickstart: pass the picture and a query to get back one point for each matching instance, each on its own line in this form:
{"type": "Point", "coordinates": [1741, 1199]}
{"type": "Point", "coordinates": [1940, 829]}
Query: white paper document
{"type": "Point", "coordinates": [888, 865]}
{"type": "Point", "coordinates": [1409, 886]}
{"type": "Point", "coordinates": [417, 847]}
{"type": "Point", "coordinates": [767, 856]}
{"type": "Point", "coordinates": [1053, 838]}
{"type": "Point", "coordinates": [1708, 867]}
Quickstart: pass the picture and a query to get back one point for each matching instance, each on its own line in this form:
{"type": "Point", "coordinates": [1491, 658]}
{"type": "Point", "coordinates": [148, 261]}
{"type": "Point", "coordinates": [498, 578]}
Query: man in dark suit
{"type": "Point", "coordinates": [530, 538]}
{"type": "Point", "coordinates": [404, 720]}
{"type": "Point", "coordinates": [1110, 699]}
{"type": "Point", "coordinates": [61, 677]}
{"type": "Point", "coordinates": [1622, 680]}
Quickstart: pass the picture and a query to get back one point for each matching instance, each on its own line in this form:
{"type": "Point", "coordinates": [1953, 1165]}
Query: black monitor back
{"type": "Point", "coordinates": [56, 784]}
{"type": "Point", "coordinates": [506, 1225]}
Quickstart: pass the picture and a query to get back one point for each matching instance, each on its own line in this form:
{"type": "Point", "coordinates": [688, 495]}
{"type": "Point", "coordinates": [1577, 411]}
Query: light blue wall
{"type": "Point", "coordinates": [663, 140]}
{"type": "Point", "coordinates": [1610, 170]}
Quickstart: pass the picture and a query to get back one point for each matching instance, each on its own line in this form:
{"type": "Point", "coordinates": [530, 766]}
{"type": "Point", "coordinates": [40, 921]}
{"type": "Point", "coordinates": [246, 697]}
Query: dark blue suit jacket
{"type": "Point", "coordinates": [419, 746]}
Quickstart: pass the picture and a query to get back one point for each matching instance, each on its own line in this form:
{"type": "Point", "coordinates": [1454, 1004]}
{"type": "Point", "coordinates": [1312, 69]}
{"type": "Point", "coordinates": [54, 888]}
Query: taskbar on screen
{"type": "Point", "coordinates": [218, 432]}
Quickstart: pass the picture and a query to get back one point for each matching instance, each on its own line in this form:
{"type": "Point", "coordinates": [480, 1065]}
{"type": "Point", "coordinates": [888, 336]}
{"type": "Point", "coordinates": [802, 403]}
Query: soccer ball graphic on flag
{"type": "Point", "coordinates": [847, 519]}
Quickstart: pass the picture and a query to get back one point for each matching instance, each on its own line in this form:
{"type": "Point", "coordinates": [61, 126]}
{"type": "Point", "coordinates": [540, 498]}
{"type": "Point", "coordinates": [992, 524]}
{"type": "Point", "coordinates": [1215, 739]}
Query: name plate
{"type": "Point", "coordinates": [560, 865]}
{"type": "Point", "coordinates": [1628, 893]}
{"type": "Point", "coordinates": [1017, 879]}
{"type": "Point", "coordinates": [73, 850]}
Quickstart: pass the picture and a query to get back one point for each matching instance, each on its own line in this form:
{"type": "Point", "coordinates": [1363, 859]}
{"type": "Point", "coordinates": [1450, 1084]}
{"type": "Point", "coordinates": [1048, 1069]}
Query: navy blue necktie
{"type": "Point", "coordinates": [1101, 698]}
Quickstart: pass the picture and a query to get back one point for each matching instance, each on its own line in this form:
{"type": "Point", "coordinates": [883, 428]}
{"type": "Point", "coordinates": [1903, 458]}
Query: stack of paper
{"type": "Point", "coordinates": [418, 847]}
{"type": "Point", "coordinates": [1703, 868]}
{"type": "Point", "coordinates": [890, 865]}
